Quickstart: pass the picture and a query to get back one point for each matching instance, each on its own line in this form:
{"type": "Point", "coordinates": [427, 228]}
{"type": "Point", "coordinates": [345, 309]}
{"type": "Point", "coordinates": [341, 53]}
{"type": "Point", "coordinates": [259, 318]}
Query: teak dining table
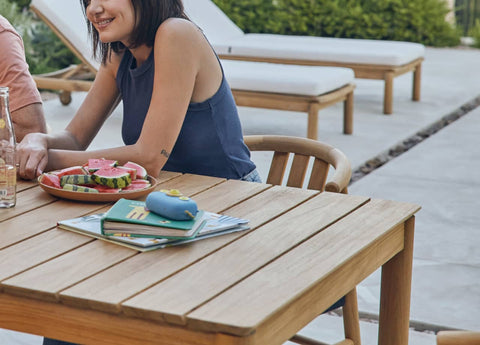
{"type": "Point", "coordinates": [304, 251]}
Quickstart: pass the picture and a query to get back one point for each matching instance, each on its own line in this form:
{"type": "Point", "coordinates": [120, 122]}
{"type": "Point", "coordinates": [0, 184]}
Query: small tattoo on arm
{"type": "Point", "coordinates": [165, 153]}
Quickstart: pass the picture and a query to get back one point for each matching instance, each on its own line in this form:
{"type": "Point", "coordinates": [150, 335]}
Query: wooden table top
{"type": "Point", "coordinates": [251, 284]}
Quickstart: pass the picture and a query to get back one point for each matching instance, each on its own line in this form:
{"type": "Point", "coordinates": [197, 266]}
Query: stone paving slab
{"type": "Point", "coordinates": [442, 175]}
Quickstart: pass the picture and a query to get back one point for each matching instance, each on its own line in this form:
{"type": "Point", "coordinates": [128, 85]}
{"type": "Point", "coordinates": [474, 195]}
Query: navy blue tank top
{"type": "Point", "coordinates": [210, 141]}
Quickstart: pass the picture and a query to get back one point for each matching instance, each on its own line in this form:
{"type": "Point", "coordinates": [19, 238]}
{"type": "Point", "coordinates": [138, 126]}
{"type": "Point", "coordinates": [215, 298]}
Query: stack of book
{"type": "Point", "coordinates": [131, 224]}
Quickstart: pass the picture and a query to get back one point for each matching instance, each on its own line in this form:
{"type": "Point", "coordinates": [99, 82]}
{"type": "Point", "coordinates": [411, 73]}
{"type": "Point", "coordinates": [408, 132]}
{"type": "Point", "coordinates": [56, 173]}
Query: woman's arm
{"type": "Point", "coordinates": [32, 151]}
{"type": "Point", "coordinates": [186, 70]}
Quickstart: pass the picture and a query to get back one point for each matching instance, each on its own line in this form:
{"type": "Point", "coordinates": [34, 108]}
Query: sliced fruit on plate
{"type": "Point", "coordinates": [141, 171]}
{"type": "Point", "coordinates": [95, 164]}
{"type": "Point", "coordinates": [51, 180]}
{"type": "Point", "coordinates": [112, 177]}
{"type": "Point", "coordinates": [75, 188]}
{"type": "Point", "coordinates": [76, 170]}
{"type": "Point", "coordinates": [76, 179]}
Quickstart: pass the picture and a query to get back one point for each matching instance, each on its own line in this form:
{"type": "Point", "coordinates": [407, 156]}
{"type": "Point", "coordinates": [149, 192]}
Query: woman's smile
{"type": "Point", "coordinates": [102, 23]}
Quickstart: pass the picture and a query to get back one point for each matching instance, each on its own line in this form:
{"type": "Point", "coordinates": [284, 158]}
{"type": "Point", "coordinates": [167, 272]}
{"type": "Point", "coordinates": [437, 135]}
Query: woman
{"type": "Point", "coordinates": [179, 113]}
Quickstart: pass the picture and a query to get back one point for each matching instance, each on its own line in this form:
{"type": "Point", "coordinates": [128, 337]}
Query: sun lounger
{"type": "Point", "coordinates": [370, 59]}
{"type": "Point", "coordinates": [254, 84]}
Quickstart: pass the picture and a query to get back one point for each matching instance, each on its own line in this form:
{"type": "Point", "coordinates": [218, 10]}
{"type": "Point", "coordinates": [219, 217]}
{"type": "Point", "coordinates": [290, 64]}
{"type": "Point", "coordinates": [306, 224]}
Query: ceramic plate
{"type": "Point", "coordinates": [98, 197]}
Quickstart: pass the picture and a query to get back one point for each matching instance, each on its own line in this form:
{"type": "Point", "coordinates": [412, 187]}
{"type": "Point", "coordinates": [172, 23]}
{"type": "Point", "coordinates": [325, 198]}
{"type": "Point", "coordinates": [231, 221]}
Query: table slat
{"type": "Point", "coordinates": [27, 200]}
{"type": "Point", "coordinates": [270, 290]}
{"type": "Point", "coordinates": [39, 220]}
{"type": "Point", "coordinates": [44, 281]}
{"type": "Point", "coordinates": [123, 281]}
{"type": "Point", "coordinates": [24, 185]}
{"type": "Point", "coordinates": [191, 184]}
{"type": "Point", "coordinates": [228, 194]}
{"type": "Point", "coordinates": [38, 249]}
{"type": "Point", "coordinates": [172, 299]}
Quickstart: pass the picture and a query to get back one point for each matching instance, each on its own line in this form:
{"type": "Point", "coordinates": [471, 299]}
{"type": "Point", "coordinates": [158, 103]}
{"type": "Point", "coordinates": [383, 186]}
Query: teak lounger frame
{"type": "Point", "coordinates": [362, 71]}
{"type": "Point", "coordinates": [73, 79]}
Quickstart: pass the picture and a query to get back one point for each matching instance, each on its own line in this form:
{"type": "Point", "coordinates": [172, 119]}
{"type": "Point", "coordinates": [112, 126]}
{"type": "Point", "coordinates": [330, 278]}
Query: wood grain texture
{"type": "Point", "coordinates": [26, 201]}
{"type": "Point", "coordinates": [120, 283]}
{"type": "Point", "coordinates": [88, 327]}
{"type": "Point", "coordinates": [315, 266]}
{"type": "Point", "coordinates": [44, 280]}
{"type": "Point", "coordinates": [305, 250]}
{"type": "Point", "coordinates": [29, 253]}
{"type": "Point", "coordinates": [45, 218]}
{"type": "Point", "coordinates": [212, 275]}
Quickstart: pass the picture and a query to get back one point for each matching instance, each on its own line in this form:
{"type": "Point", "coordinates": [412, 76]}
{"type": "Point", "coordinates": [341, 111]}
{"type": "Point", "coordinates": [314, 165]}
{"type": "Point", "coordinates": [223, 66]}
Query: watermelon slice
{"type": "Point", "coordinates": [97, 163]}
{"type": "Point", "coordinates": [76, 179]}
{"type": "Point", "coordinates": [137, 185]}
{"type": "Point", "coordinates": [112, 177]}
{"type": "Point", "coordinates": [75, 170]}
{"type": "Point", "coordinates": [51, 180]}
{"type": "Point", "coordinates": [75, 188]}
{"type": "Point", "coordinates": [141, 171]}
{"type": "Point", "coordinates": [105, 189]}
{"type": "Point", "coordinates": [132, 171]}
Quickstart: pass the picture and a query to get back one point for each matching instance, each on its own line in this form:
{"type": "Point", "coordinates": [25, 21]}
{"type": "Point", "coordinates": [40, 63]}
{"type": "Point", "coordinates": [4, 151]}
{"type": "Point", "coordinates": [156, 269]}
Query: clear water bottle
{"type": "Point", "coordinates": [8, 171]}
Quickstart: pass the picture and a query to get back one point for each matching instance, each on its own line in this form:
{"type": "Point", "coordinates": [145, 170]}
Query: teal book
{"type": "Point", "coordinates": [132, 218]}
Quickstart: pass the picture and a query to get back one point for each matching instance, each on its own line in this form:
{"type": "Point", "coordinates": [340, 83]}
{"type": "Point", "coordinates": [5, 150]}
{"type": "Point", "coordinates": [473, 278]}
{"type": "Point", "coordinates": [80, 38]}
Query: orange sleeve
{"type": "Point", "coordinates": [14, 71]}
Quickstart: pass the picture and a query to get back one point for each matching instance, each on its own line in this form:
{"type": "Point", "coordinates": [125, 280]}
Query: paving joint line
{"type": "Point", "coordinates": [418, 326]}
{"type": "Point", "coordinates": [410, 142]}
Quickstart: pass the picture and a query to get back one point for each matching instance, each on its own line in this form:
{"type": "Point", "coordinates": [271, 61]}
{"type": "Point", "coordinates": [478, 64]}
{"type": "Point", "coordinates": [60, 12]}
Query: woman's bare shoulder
{"type": "Point", "coordinates": [178, 29]}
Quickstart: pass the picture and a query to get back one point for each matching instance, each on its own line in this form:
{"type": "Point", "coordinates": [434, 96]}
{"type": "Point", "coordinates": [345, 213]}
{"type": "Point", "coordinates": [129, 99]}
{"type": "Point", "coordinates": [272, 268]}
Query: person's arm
{"type": "Point", "coordinates": [180, 51]}
{"type": "Point", "coordinates": [25, 102]}
{"type": "Point", "coordinates": [28, 119]}
{"type": "Point", "coordinates": [32, 151]}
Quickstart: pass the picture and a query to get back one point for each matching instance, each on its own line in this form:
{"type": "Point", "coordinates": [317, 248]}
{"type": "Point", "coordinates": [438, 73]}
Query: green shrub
{"type": "Point", "coordinates": [43, 49]}
{"type": "Point", "coordinates": [475, 34]}
{"type": "Point", "coordinates": [22, 3]}
{"type": "Point", "coordinates": [402, 20]}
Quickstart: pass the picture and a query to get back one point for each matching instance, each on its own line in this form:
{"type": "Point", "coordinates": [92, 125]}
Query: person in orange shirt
{"type": "Point", "coordinates": [25, 102]}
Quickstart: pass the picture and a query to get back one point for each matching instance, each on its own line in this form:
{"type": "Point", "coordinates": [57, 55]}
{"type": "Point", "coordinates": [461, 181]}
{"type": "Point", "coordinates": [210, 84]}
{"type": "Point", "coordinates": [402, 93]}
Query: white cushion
{"type": "Point", "coordinates": [212, 20]}
{"type": "Point", "coordinates": [288, 79]}
{"type": "Point", "coordinates": [67, 17]}
{"type": "Point", "coordinates": [343, 50]}
{"type": "Point", "coordinates": [225, 38]}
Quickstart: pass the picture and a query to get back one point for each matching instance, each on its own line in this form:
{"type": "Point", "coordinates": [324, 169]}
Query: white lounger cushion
{"type": "Point", "coordinates": [288, 79]}
{"type": "Point", "coordinates": [343, 50]}
{"type": "Point", "coordinates": [67, 16]}
{"type": "Point", "coordinates": [228, 39]}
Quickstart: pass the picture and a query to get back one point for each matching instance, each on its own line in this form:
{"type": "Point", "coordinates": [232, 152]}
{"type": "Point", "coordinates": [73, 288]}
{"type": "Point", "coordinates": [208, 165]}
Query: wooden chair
{"type": "Point", "coordinates": [324, 156]}
{"type": "Point", "coordinates": [306, 89]}
{"type": "Point", "coordinates": [458, 338]}
{"type": "Point", "coordinates": [370, 59]}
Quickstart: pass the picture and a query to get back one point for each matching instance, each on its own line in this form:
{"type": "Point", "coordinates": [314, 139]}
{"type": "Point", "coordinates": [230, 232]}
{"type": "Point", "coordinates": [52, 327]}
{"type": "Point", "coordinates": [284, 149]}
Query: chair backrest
{"type": "Point", "coordinates": [211, 19]}
{"type": "Point", "coordinates": [66, 19]}
{"type": "Point", "coordinates": [303, 150]}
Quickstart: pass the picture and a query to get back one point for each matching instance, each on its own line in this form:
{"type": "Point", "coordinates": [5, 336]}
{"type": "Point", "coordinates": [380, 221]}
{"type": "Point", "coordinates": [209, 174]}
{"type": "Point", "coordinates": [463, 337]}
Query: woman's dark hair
{"type": "Point", "coordinates": [150, 15]}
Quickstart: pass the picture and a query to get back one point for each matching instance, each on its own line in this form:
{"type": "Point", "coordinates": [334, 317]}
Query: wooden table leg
{"type": "Point", "coordinates": [395, 293]}
{"type": "Point", "coordinates": [388, 94]}
{"type": "Point", "coordinates": [312, 125]}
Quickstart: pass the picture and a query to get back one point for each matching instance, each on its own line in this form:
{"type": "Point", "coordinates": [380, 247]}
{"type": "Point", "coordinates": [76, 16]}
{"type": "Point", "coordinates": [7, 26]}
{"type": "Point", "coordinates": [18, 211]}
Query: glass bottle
{"type": "Point", "coordinates": [8, 171]}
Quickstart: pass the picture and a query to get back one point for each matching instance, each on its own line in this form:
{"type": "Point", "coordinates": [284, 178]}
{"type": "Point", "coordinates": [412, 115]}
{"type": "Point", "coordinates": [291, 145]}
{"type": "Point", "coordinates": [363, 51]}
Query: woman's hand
{"type": "Point", "coordinates": [32, 155]}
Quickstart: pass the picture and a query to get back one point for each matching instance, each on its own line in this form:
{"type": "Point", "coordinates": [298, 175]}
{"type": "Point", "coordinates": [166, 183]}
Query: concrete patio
{"type": "Point", "coordinates": [441, 173]}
